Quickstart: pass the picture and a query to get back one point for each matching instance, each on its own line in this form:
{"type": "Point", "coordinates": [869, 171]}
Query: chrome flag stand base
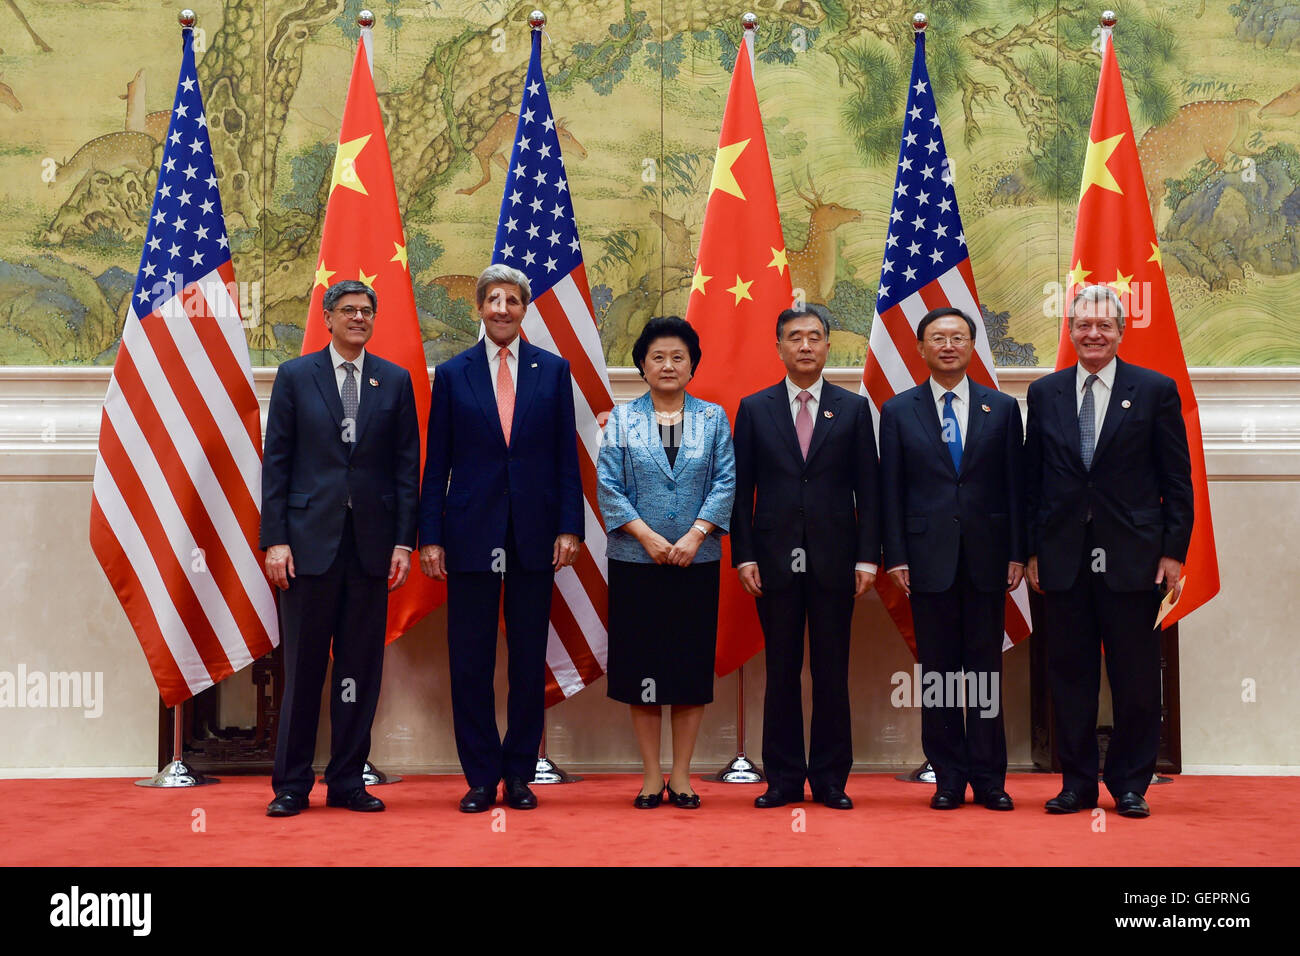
{"type": "Point", "coordinates": [177, 773]}
{"type": "Point", "coordinates": [547, 771]}
{"type": "Point", "coordinates": [740, 769]}
{"type": "Point", "coordinates": [922, 774]}
{"type": "Point", "coordinates": [372, 776]}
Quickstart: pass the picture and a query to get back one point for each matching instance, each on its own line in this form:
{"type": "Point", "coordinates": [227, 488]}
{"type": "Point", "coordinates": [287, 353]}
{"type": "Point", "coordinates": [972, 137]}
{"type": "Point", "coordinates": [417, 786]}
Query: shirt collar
{"type": "Point", "coordinates": [491, 348]}
{"type": "Point", "coordinates": [336, 360]}
{"type": "Point", "coordinates": [1106, 375]}
{"type": "Point", "coordinates": [961, 390]}
{"type": "Point", "coordinates": [815, 390]}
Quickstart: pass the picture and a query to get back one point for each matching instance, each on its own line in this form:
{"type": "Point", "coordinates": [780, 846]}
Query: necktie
{"type": "Point", "coordinates": [505, 393]}
{"type": "Point", "coordinates": [1087, 423]}
{"type": "Point", "coordinates": [951, 430]}
{"type": "Point", "coordinates": [349, 396]}
{"type": "Point", "coordinates": [803, 423]}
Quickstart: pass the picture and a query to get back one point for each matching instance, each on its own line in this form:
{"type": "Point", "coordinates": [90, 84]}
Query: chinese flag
{"type": "Point", "coordinates": [363, 239]}
{"type": "Point", "coordinates": [1115, 245]}
{"type": "Point", "coordinates": [741, 284]}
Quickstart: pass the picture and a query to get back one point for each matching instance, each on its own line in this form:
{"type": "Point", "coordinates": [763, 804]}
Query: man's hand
{"type": "Point", "coordinates": [750, 581]}
{"type": "Point", "coordinates": [1170, 573]}
{"type": "Point", "coordinates": [565, 551]}
{"type": "Point", "coordinates": [1015, 574]}
{"type": "Point", "coordinates": [399, 566]}
{"type": "Point", "coordinates": [1031, 573]}
{"type": "Point", "coordinates": [903, 579]}
{"type": "Point", "coordinates": [279, 565]}
{"type": "Point", "coordinates": [862, 581]}
{"type": "Point", "coordinates": [433, 561]}
{"type": "Point", "coordinates": [683, 552]}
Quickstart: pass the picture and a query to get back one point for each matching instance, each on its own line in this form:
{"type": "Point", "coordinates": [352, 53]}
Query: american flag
{"type": "Point", "coordinates": [177, 484]}
{"type": "Point", "coordinates": [537, 234]}
{"type": "Point", "coordinates": [926, 265]}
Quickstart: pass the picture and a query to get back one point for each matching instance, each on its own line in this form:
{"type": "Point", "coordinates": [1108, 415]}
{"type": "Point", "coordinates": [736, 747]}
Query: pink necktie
{"type": "Point", "coordinates": [803, 423]}
{"type": "Point", "coordinates": [505, 393]}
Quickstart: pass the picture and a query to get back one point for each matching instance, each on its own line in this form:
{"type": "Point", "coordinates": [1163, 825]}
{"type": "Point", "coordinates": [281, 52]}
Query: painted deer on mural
{"type": "Point", "coordinates": [496, 144]}
{"type": "Point", "coordinates": [812, 268]}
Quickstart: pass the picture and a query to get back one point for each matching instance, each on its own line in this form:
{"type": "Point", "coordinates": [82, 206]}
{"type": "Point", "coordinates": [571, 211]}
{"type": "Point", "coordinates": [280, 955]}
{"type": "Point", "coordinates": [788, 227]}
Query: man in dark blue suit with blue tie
{"type": "Point", "coordinates": [951, 471]}
{"type": "Point", "coordinates": [501, 507]}
{"type": "Point", "coordinates": [340, 492]}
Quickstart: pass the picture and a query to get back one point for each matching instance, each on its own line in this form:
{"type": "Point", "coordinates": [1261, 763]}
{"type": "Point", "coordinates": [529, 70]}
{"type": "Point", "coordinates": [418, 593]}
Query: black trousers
{"type": "Point", "coordinates": [1081, 621]}
{"type": "Point", "coordinates": [348, 607]}
{"type": "Point", "coordinates": [828, 615]}
{"type": "Point", "coordinates": [473, 599]}
{"type": "Point", "coordinates": [960, 631]}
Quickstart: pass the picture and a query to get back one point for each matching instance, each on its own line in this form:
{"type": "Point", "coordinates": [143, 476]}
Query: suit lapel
{"type": "Point", "coordinates": [975, 416]}
{"type": "Point", "coordinates": [928, 415]}
{"type": "Point", "coordinates": [525, 382]}
{"type": "Point", "coordinates": [641, 411]}
{"type": "Point", "coordinates": [1124, 389]}
{"type": "Point", "coordinates": [368, 395]}
{"type": "Point", "coordinates": [830, 402]}
{"type": "Point", "coordinates": [480, 383]}
{"type": "Point", "coordinates": [695, 434]}
{"type": "Point", "coordinates": [1068, 412]}
{"type": "Point", "coordinates": [779, 405]}
{"type": "Point", "coordinates": [327, 382]}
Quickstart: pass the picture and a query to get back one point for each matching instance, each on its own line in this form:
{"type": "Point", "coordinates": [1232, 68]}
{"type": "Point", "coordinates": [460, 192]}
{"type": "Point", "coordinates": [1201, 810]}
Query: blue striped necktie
{"type": "Point", "coordinates": [1087, 423]}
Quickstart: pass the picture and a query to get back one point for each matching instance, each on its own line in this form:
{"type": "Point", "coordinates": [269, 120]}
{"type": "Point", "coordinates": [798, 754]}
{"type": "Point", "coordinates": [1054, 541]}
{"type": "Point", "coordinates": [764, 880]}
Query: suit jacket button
{"type": "Point", "coordinates": [671, 514]}
{"type": "Point", "coordinates": [956, 519]}
{"type": "Point", "coordinates": [672, 486]}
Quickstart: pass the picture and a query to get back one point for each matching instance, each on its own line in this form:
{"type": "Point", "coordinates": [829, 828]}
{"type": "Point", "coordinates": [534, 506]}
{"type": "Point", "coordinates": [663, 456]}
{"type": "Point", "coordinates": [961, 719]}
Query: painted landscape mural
{"type": "Point", "coordinates": [1213, 87]}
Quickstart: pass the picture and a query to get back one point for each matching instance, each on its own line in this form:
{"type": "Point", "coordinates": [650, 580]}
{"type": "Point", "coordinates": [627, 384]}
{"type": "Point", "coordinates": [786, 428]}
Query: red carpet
{"type": "Point", "coordinates": [1195, 821]}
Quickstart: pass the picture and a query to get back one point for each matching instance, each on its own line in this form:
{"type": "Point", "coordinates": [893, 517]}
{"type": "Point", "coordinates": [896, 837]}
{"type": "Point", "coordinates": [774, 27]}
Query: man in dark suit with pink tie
{"type": "Point", "coordinates": [805, 532]}
{"type": "Point", "coordinates": [501, 507]}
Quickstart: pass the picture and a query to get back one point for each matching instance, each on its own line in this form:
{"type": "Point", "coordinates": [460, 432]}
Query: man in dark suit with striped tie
{"type": "Point", "coordinates": [501, 509]}
{"type": "Point", "coordinates": [340, 492]}
{"type": "Point", "coordinates": [953, 514]}
{"type": "Point", "coordinates": [1108, 489]}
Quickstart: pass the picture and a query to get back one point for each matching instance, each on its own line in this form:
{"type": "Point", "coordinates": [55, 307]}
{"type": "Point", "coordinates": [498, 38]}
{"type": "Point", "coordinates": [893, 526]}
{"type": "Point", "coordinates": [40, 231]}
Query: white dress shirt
{"type": "Point", "coordinates": [337, 360]}
{"type": "Point", "coordinates": [339, 372]}
{"type": "Point", "coordinates": [960, 404]}
{"type": "Point", "coordinates": [1101, 390]}
{"type": "Point", "coordinates": [494, 362]}
{"type": "Point", "coordinates": [815, 390]}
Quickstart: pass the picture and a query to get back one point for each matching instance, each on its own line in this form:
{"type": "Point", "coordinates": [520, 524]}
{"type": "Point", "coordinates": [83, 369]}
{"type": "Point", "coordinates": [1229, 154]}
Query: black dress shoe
{"type": "Point", "coordinates": [648, 801]}
{"type": "Point", "coordinates": [286, 804]}
{"type": "Point", "coordinates": [947, 800]}
{"type": "Point", "coordinates": [1069, 801]}
{"type": "Point", "coordinates": [356, 799]}
{"type": "Point", "coordinates": [1132, 805]}
{"type": "Point", "coordinates": [478, 799]}
{"type": "Point", "coordinates": [518, 796]}
{"type": "Point", "coordinates": [685, 801]}
{"type": "Point", "coordinates": [776, 797]}
{"type": "Point", "coordinates": [834, 798]}
{"type": "Point", "coordinates": [996, 800]}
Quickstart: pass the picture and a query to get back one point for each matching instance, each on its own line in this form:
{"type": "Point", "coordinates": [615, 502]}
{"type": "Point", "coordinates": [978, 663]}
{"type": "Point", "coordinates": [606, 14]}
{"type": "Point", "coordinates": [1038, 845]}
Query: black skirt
{"type": "Point", "coordinates": [663, 632]}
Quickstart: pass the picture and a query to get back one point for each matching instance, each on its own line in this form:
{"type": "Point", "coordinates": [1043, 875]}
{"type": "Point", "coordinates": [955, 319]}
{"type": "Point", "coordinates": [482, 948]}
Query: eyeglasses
{"type": "Point", "coordinates": [939, 341]}
{"type": "Point", "coordinates": [351, 312]}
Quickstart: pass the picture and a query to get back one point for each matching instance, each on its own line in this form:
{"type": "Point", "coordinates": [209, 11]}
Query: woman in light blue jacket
{"type": "Point", "coordinates": [667, 477]}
